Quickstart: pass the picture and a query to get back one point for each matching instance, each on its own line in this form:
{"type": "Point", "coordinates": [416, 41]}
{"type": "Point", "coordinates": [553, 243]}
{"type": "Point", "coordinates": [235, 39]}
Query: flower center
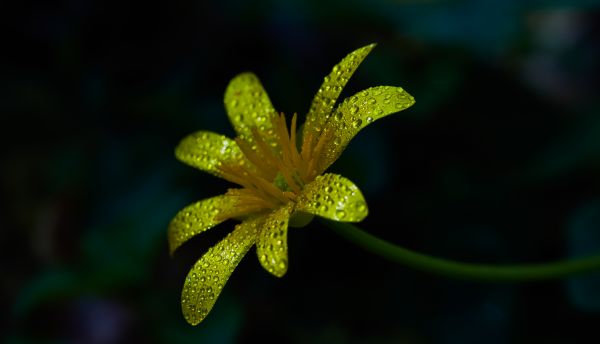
{"type": "Point", "coordinates": [276, 170]}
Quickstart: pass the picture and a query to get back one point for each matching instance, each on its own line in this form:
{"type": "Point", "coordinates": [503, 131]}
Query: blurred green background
{"type": "Point", "coordinates": [497, 162]}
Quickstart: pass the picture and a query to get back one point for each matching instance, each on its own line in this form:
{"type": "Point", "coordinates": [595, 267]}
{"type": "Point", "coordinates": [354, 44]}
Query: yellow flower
{"type": "Point", "coordinates": [280, 175]}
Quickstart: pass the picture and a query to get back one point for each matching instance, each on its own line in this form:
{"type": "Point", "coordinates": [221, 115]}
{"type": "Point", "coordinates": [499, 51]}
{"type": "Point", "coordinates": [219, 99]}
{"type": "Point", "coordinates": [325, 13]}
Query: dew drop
{"type": "Point", "coordinates": [369, 119]}
{"type": "Point", "coordinates": [354, 109]}
{"type": "Point", "coordinates": [357, 123]}
{"type": "Point", "coordinates": [340, 213]}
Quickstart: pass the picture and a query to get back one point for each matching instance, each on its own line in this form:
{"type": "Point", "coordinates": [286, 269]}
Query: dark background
{"type": "Point", "coordinates": [497, 162]}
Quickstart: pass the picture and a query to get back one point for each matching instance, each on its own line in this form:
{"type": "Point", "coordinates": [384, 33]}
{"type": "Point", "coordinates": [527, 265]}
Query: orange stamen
{"type": "Point", "coordinates": [296, 166]}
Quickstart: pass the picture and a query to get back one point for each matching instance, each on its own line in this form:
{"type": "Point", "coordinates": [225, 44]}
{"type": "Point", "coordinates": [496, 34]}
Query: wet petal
{"type": "Point", "coordinates": [197, 218]}
{"type": "Point", "coordinates": [358, 111]}
{"type": "Point", "coordinates": [206, 151]}
{"type": "Point", "coordinates": [333, 84]}
{"type": "Point", "coordinates": [333, 197]}
{"type": "Point", "coordinates": [248, 106]}
{"type": "Point", "coordinates": [206, 279]}
{"type": "Point", "coordinates": [271, 246]}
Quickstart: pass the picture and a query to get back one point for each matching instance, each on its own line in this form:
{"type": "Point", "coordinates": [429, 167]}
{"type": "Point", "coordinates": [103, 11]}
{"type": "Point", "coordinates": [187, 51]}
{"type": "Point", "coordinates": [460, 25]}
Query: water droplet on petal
{"type": "Point", "coordinates": [282, 264]}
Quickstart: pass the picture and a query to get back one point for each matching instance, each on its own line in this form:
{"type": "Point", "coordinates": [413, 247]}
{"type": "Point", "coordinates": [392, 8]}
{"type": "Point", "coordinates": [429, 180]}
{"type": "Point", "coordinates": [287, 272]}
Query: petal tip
{"type": "Point", "coordinates": [366, 49]}
{"type": "Point", "coordinates": [193, 321]}
{"type": "Point", "coordinates": [244, 75]}
{"type": "Point", "coordinates": [274, 268]}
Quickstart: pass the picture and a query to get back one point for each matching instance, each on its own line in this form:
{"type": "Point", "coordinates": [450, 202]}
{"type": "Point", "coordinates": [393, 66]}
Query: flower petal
{"type": "Point", "coordinates": [197, 218]}
{"type": "Point", "coordinates": [331, 88]}
{"type": "Point", "coordinates": [248, 106]}
{"type": "Point", "coordinates": [206, 151]}
{"type": "Point", "coordinates": [333, 197]}
{"type": "Point", "coordinates": [206, 279]}
{"type": "Point", "coordinates": [358, 111]}
{"type": "Point", "coordinates": [271, 245]}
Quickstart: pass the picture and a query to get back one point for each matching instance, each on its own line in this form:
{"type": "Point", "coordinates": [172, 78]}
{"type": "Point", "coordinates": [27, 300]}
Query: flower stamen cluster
{"type": "Point", "coordinates": [273, 177]}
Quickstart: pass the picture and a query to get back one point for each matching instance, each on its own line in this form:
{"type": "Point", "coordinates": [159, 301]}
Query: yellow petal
{"type": "Point", "coordinates": [197, 218]}
{"type": "Point", "coordinates": [206, 279]}
{"type": "Point", "coordinates": [206, 151]}
{"type": "Point", "coordinates": [333, 84]}
{"type": "Point", "coordinates": [333, 197]}
{"type": "Point", "coordinates": [358, 111]}
{"type": "Point", "coordinates": [248, 106]}
{"type": "Point", "coordinates": [271, 245]}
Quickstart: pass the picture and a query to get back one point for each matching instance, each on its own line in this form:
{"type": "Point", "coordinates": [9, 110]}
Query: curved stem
{"type": "Point", "coordinates": [454, 269]}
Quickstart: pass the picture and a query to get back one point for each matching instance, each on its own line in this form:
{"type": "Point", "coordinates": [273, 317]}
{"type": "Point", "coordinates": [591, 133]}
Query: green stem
{"type": "Point", "coordinates": [454, 269]}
